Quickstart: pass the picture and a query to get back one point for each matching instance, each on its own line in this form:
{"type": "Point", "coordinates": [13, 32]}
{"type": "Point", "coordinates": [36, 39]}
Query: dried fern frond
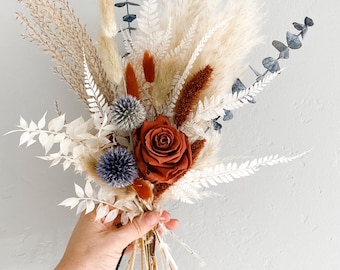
{"type": "Point", "coordinates": [188, 188]}
{"type": "Point", "coordinates": [150, 36]}
{"type": "Point", "coordinates": [54, 26]}
{"type": "Point", "coordinates": [241, 98]}
{"type": "Point", "coordinates": [96, 101]}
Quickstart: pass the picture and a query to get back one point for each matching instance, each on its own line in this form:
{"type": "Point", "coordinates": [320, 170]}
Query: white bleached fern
{"type": "Point", "coordinates": [213, 107]}
{"type": "Point", "coordinates": [179, 80]}
{"type": "Point", "coordinates": [177, 90]}
{"type": "Point", "coordinates": [188, 189]}
{"type": "Point", "coordinates": [185, 44]}
{"type": "Point", "coordinates": [243, 97]}
{"type": "Point", "coordinates": [148, 24]}
{"type": "Point", "coordinates": [96, 101]}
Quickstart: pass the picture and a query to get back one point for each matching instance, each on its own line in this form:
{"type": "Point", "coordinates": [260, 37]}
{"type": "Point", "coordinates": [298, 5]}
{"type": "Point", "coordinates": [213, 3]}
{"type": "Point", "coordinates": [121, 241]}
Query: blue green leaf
{"type": "Point", "coordinates": [228, 115]}
{"type": "Point", "coordinates": [271, 64]}
{"type": "Point", "coordinates": [217, 126]}
{"type": "Point", "coordinates": [293, 41]}
{"type": "Point", "coordinates": [282, 48]}
{"type": "Point", "coordinates": [299, 26]}
{"type": "Point", "coordinates": [122, 4]}
{"type": "Point", "coordinates": [309, 21]}
{"type": "Point", "coordinates": [237, 86]}
{"type": "Point", "coordinates": [129, 18]}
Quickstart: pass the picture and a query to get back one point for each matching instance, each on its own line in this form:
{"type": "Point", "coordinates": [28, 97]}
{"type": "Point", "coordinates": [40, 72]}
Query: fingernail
{"type": "Point", "coordinates": [152, 218]}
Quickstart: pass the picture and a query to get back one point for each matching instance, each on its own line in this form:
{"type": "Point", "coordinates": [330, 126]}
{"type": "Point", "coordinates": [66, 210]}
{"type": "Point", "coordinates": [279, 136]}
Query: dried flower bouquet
{"type": "Point", "coordinates": [154, 128]}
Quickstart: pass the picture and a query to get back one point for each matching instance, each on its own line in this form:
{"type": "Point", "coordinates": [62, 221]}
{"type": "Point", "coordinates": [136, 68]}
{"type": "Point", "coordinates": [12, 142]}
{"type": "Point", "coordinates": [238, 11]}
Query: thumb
{"type": "Point", "coordinates": [138, 227]}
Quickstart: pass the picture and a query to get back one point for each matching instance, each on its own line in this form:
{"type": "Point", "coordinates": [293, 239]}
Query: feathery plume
{"type": "Point", "coordinates": [190, 93]}
{"type": "Point", "coordinates": [148, 67]}
{"type": "Point", "coordinates": [108, 20]}
{"type": "Point", "coordinates": [131, 81]}
{"type": "Point", "coordinates": [54, 26]}
{"type": "Point", "coordinates": [196, 148]}
{"type": "Point", "coordinates": [111, 59]}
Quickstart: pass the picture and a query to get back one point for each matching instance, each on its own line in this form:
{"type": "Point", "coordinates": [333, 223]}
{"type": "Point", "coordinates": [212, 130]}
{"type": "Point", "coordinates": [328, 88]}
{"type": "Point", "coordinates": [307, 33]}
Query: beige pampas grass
{"type": "Point", "coordinates": [54, 26]}
{"type": "Point", "coordinates": [111, 60]}
{"type": "Point", "coordinates": [225, 50]}
{"type": "Point", "coordinates": [107, 48]}
{"type": "Point", "coordinates": [108, 20]}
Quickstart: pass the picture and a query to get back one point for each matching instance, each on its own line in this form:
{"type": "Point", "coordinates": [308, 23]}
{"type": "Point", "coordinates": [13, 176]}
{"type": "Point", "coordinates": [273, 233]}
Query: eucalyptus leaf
{"type": "Point", "coordinates": [282, 48]}
{"type": "Point", "coordinates": [271, 64]}
{"type": "Point", "coordinates": [251, 100]}
{"type": "Point", "coordinates": [217, 126]}
{"type": "Point", "coordinates": [293, 41]}
{"type": "Point", "coordinates": [284, 54]}
{"type": "Point", "coordinates": [129, 18]}
{"type": "Point", "coordinates": [299, 26]}
{"type": "Point", "coordinates": [228, 115]}
{"type": "Point", "coordinates": [122, 4]}
{"type": "Point", "coordinates": [309, 21]}
{"type": "Point", "coordinates": [237, 86]}
{"type": "Point", "coordinates": [304, 32]}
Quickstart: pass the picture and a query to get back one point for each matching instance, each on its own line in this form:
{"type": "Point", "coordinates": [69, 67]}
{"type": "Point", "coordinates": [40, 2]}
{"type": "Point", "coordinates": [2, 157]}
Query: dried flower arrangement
{"type": "Point", "coordinates": [153, 133]}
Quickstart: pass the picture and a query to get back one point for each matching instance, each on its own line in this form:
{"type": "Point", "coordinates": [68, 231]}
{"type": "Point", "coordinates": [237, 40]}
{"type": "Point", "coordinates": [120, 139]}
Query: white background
{"type": "Point", "coordinates": [283, 218]}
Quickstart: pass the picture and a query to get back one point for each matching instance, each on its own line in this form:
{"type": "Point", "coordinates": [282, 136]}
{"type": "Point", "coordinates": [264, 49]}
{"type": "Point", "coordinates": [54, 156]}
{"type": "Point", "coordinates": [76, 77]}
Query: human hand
{"type": "Point", "coordinates": [95, 245]}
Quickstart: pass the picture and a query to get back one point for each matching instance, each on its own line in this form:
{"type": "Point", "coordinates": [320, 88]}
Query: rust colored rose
{"type": "Point", "coordinates": [163, 153]}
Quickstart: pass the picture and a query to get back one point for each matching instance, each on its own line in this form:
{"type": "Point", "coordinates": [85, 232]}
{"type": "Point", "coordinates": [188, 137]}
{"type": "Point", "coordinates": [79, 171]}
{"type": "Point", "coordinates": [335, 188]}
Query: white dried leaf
{"type": "Point", "coordinates": [65, 146]}
{"type": "Point", "coordinates": [49, 143]}
{"type": "Point", "coordinates": [79, 191]}
{"type": "Point", "coordinates": [81, 207]}
{"type": "Point", "coordinates": [23, 123]}
{"type": "Point", "coordinates": [33, 126]}
{"type": "Point", "coordinates": [88, 189]}
{"type": "Point", "coordinates": [66, 164]}
{"type": "Point", "coordinates": [70, 202]}
{"type": "Point", "coordinates": [102, 211]}
{"type": "Point", "coordinates": [59, 137]}
{"type": "Point", "coordinates": [42, 122]}
{"type": "Point", "coordinates": [111, 215]}
{"type": "Point", "coordinates": [90, 205]}
{"type": "Point", "coordinates": [122, 141]}
{"type": "Point", "coordinates": [43, 137]}
{"type": "Point", "coordinates": [124, 219]}
{"type": "Point", "coordinates": [56, 161]}
{"type": "Point", "coordinates": [57, 124]}
{"type": "Point", "coordinates": [24, 137]}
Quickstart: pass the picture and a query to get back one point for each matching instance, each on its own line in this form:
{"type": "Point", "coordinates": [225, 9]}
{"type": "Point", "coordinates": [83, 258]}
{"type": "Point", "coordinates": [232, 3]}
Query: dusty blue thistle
{"type": "Point", "coordinates": [128, 113]}
{"type": "Point", "coordinates": [117, 167]}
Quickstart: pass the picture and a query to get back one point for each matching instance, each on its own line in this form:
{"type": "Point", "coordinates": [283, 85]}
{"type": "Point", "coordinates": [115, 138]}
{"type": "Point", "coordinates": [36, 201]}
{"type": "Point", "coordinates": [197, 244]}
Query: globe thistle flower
{"type": "Point", "coordinates": [128, 113]}
{"type": "Point", "coordinates": [117, 167]}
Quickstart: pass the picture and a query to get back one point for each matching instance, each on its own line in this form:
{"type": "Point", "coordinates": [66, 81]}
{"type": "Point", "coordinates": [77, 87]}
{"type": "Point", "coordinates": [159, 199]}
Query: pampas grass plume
{"type": "Point", "coordinates": [111, 59]}
{"type": "Point", "coordinates": [108, 20]}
